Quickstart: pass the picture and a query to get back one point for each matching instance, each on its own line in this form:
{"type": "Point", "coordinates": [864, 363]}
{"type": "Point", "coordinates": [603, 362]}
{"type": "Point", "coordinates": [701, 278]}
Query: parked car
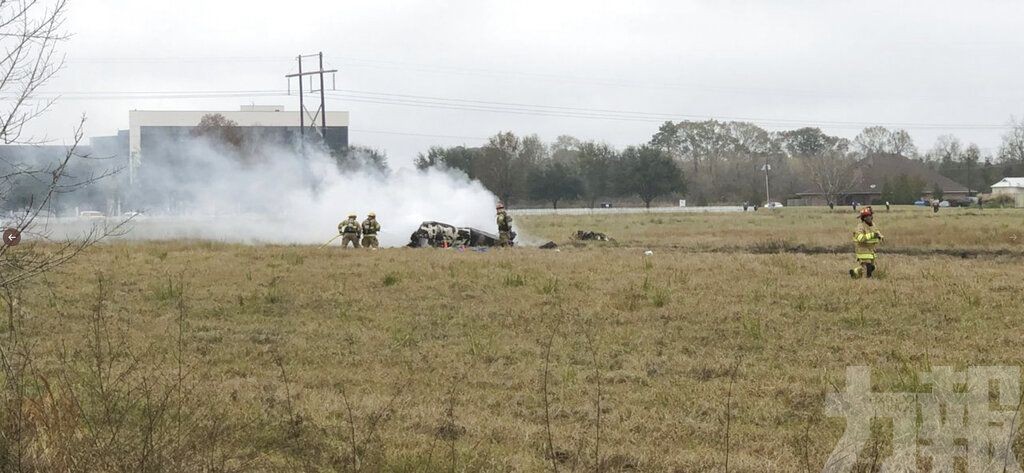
{"type": "Point", "coordinates": [90, 214]}
{"type": "Point", "coordinates": [964, 202]}
{"type": "Point", "coordinates": [921, 202]}
{"type": "Point", "coordinates": [606, 205]}
{"type": "Point", "coordinates": [773, 205]}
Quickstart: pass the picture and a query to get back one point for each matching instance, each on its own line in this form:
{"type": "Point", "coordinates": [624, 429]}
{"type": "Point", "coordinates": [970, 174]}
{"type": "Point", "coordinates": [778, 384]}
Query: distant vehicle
{"type": "Point", "coordinates": [606, 205]}
{"type": "Point", "coordinates": [964, 202]}
{"type": "Point", "coordinates": [90, 214]}
{"type": "Point", "coordinates": [132, 214]}
{"type": "Point", "coordinates": [921, 202]}
{"type": "Point", "coordinates": [773, 205]}
{"type": "Point", "coordinates": [944, 203]}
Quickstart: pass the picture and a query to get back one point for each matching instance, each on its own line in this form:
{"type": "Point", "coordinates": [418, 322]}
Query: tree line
{"type": "Point", "coordinates": [714, 161]}
{"type": "Point", "coordinates": [705, 162]}
{"type": "Point", "coordinates": [525, 168]}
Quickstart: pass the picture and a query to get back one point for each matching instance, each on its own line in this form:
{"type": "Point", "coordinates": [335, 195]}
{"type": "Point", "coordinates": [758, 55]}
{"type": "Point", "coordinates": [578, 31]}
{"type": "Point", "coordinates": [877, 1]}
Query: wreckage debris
{"type": "Point", "coordinates": [586, 235]}
{"type": "Point", "coordinates": [443, 235]}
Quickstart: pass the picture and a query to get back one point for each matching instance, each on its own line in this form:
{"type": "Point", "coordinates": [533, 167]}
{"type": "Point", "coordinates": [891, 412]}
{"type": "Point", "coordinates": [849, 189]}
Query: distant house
{"type": "Point", "coordinates": [1011, 186]}
{"type": "Point", "coordinates": [872, 174]}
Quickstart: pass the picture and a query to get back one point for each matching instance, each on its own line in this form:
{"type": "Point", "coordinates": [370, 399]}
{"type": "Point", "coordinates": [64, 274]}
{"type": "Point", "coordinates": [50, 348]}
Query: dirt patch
{"type": "Point", "coordinates": [780, 247]}
{"type": "Point", "coordinates": [774, 247]}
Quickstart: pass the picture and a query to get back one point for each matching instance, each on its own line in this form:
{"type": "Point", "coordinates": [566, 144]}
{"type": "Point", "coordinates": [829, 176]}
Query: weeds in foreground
{"type": "Point", "coordinates": [168, 290]}
{"type": "Point", "coordinates": [514, 280]}
{"type": "Point", "coordinates": [98, 409]}
{"type": "Point", "coordinates": [587, 455]}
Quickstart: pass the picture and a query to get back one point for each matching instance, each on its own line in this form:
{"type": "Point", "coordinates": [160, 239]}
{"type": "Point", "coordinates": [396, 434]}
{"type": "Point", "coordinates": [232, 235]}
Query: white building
{"type": "Point", "coordinates": [1011, 186]}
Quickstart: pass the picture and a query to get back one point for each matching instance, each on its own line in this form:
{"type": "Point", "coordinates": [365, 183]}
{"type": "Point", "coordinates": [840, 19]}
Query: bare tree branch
{"type": "Point", "coordinates": [831, 172]}
{"type": "Point", "coordinates": [30, 31]}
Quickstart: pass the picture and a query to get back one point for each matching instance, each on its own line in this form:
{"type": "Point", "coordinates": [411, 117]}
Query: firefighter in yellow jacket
{"type": "Point", "coordinates": [865, 238]}
{"type": "Point", "coordinates": [504, 221]}
{"type": "Point", "coordinates": [349, 230]}
{"type": "Point", "coordinates": [370, 229]}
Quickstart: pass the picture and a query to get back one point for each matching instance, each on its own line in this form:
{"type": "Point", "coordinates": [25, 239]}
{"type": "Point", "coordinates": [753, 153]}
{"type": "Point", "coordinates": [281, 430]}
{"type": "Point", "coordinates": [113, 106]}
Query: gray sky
{"type": "Point", "coordinates": [782, 64]}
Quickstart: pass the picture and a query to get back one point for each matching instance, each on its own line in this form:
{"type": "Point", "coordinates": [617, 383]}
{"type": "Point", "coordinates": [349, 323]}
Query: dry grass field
{"type": "Point", "coordinates": [908, 229]}
{"type": "Point", "coordinates": [717, 350]}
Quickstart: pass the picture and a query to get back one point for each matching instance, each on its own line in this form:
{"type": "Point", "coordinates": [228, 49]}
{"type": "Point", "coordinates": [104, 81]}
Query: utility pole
{"type": "Point", "coordinates": [767, 195]}
{"type": "Point", "coordinates": [970, 164]}
{"type": "Point", "coordinates": [320, 114]}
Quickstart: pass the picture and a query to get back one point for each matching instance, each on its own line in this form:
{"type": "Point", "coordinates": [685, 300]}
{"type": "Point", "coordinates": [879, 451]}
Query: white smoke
{"type": "Point", "coordinates": [281, 194]}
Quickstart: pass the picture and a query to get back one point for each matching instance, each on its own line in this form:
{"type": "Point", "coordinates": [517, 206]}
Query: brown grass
{"type": "Point", "coordinates": [905, 227]}
{"type": "Point", "coordinates": [442, 360]}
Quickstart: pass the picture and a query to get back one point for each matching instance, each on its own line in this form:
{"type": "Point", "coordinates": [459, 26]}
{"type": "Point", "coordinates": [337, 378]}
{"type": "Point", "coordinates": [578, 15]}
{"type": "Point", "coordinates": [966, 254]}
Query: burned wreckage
{"type": "Point", "coordinates": [441, 235]}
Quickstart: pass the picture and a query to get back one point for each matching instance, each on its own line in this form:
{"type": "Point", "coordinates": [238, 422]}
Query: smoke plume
{"type": "Point", "coordinates": [282, 193]}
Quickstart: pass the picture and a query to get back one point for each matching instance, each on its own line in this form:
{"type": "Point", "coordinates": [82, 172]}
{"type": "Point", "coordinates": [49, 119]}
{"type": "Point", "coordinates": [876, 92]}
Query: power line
{"type": "Point", "coordinates": [620, 115]}
{"type": "Point", "coordinates": [176, 60]}
{"type": "Point", "coordinates": [664, 115]}
{"type": "Point", "coordinates": [521, 74]}
{"type": "Point", "coordinates": [583, 80]}
{"type": "Point", "coordinates": [426, 135]}
{"type": "Point", "coordinates": [511, 108]}
{"type": "Point", "coordinates": [449, 70]}
{"type": "Point", "coordinates": [464, 107]}
{"type": "Point", "coordinates": [155, 95]}
{"type": "Point", "coordinates": [502, 73]}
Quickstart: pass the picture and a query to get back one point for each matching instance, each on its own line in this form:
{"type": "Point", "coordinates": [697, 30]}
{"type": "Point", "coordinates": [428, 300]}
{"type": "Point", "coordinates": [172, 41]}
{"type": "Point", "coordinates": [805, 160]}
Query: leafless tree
{"type": "Point", "coordinates": [30, 31]}
{"type": "Point", "coordinates": [44, 253]}
{"type": "Point", "coordinates": [900, 143]}
{"type": "Point", "coordinates": [947, 148]}
{"type": "Point", "coordinates": [873, 140]}
{"type": "Point", "coordinates": [831, 173]}
{"type": "Point", "coordinates": [1012, 149]}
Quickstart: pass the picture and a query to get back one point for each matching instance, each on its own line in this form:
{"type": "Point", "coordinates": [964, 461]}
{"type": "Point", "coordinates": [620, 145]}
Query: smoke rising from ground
{"type": "Point", "coordinates": [279, 193]}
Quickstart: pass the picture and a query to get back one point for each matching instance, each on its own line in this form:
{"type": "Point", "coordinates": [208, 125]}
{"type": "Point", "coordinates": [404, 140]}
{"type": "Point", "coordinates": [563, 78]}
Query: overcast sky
{"type": "Point", "coordinates": [781, 64]}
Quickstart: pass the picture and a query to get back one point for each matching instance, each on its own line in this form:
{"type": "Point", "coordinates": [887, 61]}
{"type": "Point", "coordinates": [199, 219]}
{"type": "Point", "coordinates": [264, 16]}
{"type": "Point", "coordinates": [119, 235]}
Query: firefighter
{"type": "Point", "coordinates": [504, 226]}
{"type": "Point", "coordinates": [349, 230]}
{"type": "Point", "coordinates": [865, 238]}
{"type": "Point", "coordinates": [370, 229]}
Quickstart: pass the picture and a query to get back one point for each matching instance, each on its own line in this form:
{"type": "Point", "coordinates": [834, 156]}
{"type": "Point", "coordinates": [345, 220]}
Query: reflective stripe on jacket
{"type": "Point", "coordinates": [865, 241]}
{"type": "Point", "coordinates": [504, 222]}
{"type": "Point", "coordinates": [370, 227]}
{"type": "Point", "coordinates": [348, 227]}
